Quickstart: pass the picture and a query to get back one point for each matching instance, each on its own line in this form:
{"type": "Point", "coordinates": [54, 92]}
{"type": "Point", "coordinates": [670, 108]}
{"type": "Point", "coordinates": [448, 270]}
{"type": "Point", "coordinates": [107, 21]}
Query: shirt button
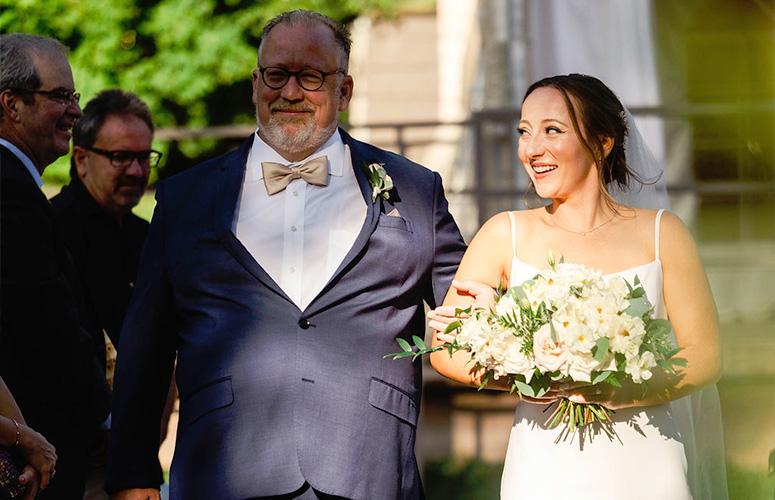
{"type": "Point", "coordinates": [293, 229]}
{"type": "Point", "coordinates": [295, 193]}
{"type": "Point", "coordinates": [293, 269]}
{"type": "Point", "coordinates": [303, 323]}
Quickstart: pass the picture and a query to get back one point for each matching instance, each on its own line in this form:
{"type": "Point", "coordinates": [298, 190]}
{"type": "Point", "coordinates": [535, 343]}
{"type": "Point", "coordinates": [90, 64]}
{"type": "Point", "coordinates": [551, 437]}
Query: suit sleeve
{"type": "Point", "coordinates": [49, 358]}
{"type": "Point", "coordinates": [144, 364]}
{"type": "Point", "coordinates": [448, 246]}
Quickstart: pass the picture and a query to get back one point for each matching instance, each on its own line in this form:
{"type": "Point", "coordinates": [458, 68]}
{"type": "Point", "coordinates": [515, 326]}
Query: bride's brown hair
{"type": "Point", "coordinates": [596, 113]}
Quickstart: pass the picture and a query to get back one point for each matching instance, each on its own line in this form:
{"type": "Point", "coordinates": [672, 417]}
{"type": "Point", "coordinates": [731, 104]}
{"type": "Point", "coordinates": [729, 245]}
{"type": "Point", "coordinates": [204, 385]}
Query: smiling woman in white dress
{"type": "Point", "coordinates": [572, 135]}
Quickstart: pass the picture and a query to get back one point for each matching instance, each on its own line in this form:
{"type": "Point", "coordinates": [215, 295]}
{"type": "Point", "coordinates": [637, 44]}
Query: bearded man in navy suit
{"type": "Point", "coordinates": [281, 284]}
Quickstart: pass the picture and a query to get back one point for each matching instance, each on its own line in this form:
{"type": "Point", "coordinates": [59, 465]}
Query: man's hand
{"type": "Point", "coordinates": [137, 494]}
{"type": "Point", "coordinates": [481, 295]}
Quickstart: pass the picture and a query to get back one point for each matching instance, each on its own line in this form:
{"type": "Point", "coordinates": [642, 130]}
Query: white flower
{"type": "Point", "coordinates": [617, 285]}
{"type": "Point", "coordinates": [639, 367]}
{"type": "Point", "coordinates": [506, 305]}
{"type": "Point", "coordinates": [474, 332]}
{"type": "Point", "coordinates": [549, 357]}
{"type": "Point", "coordinates": [380, 181]}
{"type": "Point", "coordinates": [506, 352]}
{"type": "Point", "coordinates": [582, 366]}
{"type": "Point", "coordinates": [626, 334]}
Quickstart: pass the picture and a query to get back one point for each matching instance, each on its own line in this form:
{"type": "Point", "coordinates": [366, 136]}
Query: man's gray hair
{"type": "Point", "coordinates": [111, 102]}
{"type": "Point", "coordinates": [310, 19]}
{"type": "Point", "coordinates": [17, 67]}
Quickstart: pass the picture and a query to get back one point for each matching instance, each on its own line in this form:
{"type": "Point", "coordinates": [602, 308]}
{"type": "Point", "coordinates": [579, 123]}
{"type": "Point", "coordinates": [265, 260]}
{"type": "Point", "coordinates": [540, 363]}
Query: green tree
{"type": "Point", "coordinates": [190, 60]}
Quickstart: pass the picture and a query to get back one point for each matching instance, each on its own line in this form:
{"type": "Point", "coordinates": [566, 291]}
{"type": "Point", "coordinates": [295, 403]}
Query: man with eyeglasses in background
{"type": "Point", "coordinates": [52, 352]}
{"type": "Point", "coordinates": [109, 170]}
{"type": "Point", "coordinates": [282, 273]}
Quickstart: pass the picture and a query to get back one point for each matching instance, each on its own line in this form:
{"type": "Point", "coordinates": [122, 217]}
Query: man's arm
{"type": "Point", "coordinates": [448, 245]}
{"type": "Point", "coordinates": [146, 355]}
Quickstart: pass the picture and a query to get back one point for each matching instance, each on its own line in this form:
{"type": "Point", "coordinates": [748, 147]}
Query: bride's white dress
{"type": "Point", "coordinates": [645, 459]}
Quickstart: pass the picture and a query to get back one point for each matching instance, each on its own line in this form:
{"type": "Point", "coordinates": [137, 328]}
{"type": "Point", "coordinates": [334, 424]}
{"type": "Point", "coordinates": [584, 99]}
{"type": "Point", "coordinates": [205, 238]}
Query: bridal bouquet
{"type": "Point", "coordinates": [565, 324]}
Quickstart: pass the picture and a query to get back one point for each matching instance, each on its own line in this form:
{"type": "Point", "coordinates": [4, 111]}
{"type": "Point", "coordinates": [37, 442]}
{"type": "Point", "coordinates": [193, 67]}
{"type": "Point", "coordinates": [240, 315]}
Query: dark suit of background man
{"type": "Point", "coordinates": [282, 306]}
{"type": "Point", "coordinates": [52, 350]}
{"type": "Point", "coordinates": [109, 169]}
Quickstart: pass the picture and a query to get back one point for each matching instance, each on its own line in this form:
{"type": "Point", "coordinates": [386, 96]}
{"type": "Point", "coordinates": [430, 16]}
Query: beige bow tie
{"type": "Point", "coordinates": [277, 176]}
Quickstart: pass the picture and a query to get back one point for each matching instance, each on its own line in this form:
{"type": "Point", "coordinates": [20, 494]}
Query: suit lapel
{"type": "Point", "coordinates": [229, 179]}
{"type": "Point", "coordinates": [359, 158]}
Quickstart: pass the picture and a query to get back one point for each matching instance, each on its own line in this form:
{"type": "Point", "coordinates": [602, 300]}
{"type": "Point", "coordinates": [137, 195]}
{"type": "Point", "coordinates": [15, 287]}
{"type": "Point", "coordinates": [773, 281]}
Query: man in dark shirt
{"type": "Point", "coordinates": [110, 165]}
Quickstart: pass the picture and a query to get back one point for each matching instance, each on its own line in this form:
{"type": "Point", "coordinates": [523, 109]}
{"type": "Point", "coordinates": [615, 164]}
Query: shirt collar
{"type": "Point", "coordinates": [25, 161]}
{"type": "Point", "coordinates": [260, 151]}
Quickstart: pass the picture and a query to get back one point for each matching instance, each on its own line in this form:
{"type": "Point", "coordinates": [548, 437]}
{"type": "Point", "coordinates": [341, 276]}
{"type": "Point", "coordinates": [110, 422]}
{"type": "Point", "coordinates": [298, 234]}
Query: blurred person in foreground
{"type": "Point", "coordinates": [109, 169]}
{"type": "Point", "coordinates": [282, 273]}
{"type": "Point", "coordinates": [52, 350]}
{"type": "Point", "coordinates": [16, 437]}
{"type": "Point", "coordinates": [580, 150]}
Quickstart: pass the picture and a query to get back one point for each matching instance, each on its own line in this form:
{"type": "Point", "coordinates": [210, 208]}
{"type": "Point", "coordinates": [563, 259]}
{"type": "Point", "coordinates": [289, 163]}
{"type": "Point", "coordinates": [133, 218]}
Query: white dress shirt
{"type": "Point", "coordinates": [300, 235]}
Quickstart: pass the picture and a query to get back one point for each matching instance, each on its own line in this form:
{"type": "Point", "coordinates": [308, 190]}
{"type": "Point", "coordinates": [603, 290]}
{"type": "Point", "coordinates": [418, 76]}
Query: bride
{"type": "Point", "coordinates": [572, 144]}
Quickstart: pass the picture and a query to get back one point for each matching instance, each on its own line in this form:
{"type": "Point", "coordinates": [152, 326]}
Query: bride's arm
{"type": "Point", "coordinates": [693, 314]}
{"type": "Point", "coordinates": [487, 261]}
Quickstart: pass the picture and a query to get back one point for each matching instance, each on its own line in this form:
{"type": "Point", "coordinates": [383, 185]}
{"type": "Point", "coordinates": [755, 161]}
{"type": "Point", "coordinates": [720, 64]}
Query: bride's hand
{"type": "Point", "coordinates": [603, 394]}
{"type": "Point", "coordinates": [439, 319]}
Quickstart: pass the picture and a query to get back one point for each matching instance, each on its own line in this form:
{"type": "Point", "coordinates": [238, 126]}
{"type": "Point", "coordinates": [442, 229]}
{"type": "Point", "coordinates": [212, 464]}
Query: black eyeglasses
{"type": "Point", "coordinates": [123, 159]}
{"type": "Point", "coordinates": [64, 97]}
{"type": "Point", "coordinates": [308, 79]}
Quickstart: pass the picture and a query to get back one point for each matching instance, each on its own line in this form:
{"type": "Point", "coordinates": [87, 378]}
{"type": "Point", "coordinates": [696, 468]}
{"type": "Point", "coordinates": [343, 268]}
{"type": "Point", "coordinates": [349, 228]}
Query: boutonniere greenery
{"type": "Point", "coordinates": [380, 181]}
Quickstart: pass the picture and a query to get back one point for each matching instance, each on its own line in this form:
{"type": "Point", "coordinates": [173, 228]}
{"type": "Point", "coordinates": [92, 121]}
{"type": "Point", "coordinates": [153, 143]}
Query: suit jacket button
{"type": "Point", "coordinates": [303, 323]}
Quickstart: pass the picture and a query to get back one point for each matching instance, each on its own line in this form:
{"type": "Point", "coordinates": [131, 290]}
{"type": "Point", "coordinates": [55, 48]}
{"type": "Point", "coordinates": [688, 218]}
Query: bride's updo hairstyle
{"type": "Point", "coordinates": [596, 113]}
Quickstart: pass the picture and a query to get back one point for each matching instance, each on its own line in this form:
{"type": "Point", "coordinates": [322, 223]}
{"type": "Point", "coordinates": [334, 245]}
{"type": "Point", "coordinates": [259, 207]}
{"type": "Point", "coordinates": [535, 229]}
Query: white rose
{"type": "Point", "coordinates": [581, 367]}
{"type": "Point", "coordinates": [618, 286]}
{"type": "Point", "coordinates": [475, 331]}
{"type": "Point", "coordinates": [549, 357]}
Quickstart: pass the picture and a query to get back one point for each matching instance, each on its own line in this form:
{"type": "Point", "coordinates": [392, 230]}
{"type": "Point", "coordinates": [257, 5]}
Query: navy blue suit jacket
{"type": "Point", "coordinates": [272, 396]}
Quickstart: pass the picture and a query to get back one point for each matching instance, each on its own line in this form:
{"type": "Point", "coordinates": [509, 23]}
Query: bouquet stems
{"type": "Point", "coordinates": [575, 415]}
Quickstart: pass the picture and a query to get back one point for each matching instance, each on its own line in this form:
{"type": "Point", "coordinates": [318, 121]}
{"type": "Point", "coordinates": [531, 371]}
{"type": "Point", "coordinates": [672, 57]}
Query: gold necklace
{"type": "Point", "coordinates": [582, 233]}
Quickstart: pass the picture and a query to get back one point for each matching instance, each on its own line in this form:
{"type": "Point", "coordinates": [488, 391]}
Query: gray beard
{"type": "Point", "coordinates": [306, 138]}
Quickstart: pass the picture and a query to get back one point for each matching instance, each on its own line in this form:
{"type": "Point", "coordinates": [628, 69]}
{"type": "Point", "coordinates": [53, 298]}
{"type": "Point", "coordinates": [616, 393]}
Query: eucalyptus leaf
{"type": "Point", "coordinates": [524, 388]}
{"type": "Point", "coordinates": [659, 327]}
{"type": "Point", "coordinates": [638, 307]}
{"type": "Point", "coordinates": [600, 351]}
{"type": "Point", "coordinates": [601, 377]}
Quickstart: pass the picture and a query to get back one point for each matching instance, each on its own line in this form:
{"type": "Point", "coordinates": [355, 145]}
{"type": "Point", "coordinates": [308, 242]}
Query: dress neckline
{"type": "Point", "coordinates": [623, 271]}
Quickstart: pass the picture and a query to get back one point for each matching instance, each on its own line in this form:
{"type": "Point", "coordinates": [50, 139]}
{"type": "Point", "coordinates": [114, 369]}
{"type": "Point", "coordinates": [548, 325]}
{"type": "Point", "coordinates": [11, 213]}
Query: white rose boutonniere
{"type": "Point", "coordinates": [380, 181]}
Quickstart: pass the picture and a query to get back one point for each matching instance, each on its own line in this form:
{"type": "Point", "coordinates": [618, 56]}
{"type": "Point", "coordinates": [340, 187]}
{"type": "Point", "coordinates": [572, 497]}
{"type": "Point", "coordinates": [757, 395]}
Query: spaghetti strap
{"type": "Point", "coordinates": [656, 232]}
{"type": "Point", "coordinates": [513, 234]}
